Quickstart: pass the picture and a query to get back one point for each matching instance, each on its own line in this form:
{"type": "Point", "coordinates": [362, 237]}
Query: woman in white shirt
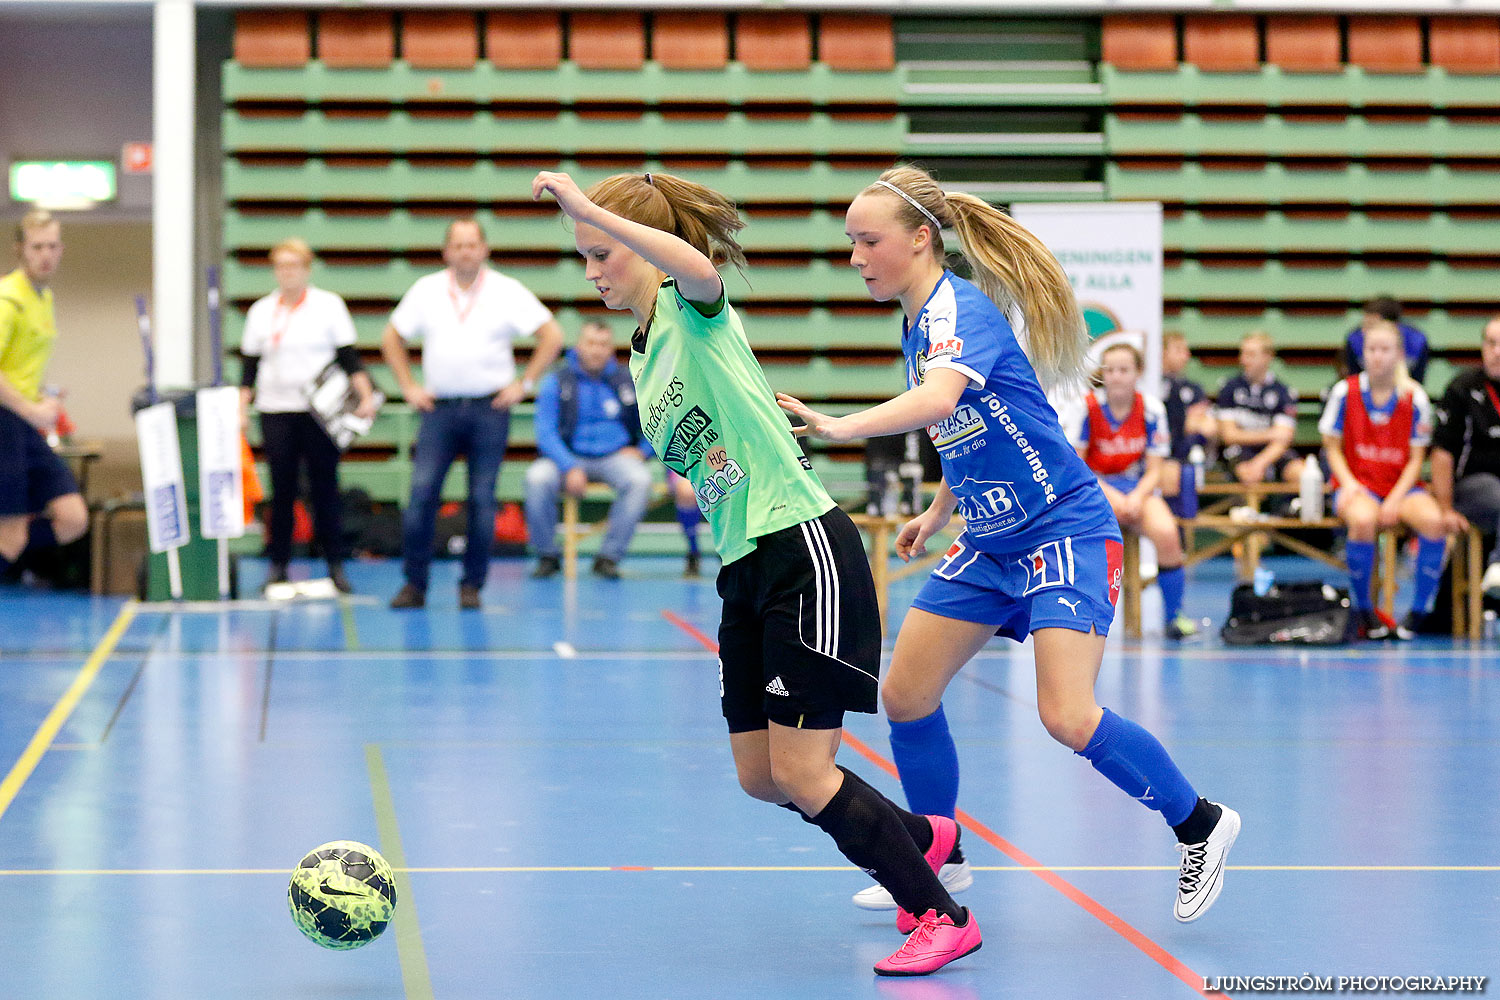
{"type": "Point", "coordinates": [291, 335]}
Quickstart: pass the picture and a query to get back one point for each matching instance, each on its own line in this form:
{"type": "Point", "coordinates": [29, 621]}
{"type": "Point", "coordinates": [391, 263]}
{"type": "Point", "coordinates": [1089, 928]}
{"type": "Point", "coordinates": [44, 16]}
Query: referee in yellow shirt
{"type": "Point", "coordinates": [34, 483]}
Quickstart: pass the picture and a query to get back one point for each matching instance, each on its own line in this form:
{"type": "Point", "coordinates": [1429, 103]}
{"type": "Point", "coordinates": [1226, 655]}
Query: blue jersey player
{"type": "Point", "coordinates": [1040, 552]}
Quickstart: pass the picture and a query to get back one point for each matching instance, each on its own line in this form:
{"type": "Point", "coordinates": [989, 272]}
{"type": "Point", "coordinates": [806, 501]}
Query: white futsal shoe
{"type": "Point", "coordinates": [1202, 873]}
{"type": "Point", "coordinates": [955, 878]}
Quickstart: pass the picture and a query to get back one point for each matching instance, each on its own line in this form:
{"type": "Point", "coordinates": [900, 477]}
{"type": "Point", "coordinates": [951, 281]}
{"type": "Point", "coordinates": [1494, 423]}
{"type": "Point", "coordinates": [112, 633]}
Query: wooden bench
{"type": "Point", "coordinates": [574, 531]}
{"type": "Point", "coordinates": [1466, 562]}
{"type": "Point", "coordinates": [882, 528]}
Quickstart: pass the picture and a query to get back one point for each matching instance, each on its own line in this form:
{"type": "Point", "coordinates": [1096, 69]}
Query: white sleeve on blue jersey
{"type": "Point", "coordinates": [1074, 419]}
{"type": "Point", "coordinates": [969, 344]}
{"type": "Point", "coordinates": [1332, 421]}
{"type": "Point", "coordinates": [1421, 417]}
{"type": "Point", "coordinates": [1158, 437]}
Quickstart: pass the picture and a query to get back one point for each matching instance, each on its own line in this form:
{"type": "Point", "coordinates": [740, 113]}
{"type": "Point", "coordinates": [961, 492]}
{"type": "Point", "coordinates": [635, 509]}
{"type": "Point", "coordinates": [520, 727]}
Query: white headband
{"type": "Point", "coordinates": [937, 226]}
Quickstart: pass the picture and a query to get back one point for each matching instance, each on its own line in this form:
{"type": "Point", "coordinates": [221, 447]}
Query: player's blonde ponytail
{"type": "Point", "coordinates": [1009, 264]}
{"type": "Point", "coordinates": [698, 215]}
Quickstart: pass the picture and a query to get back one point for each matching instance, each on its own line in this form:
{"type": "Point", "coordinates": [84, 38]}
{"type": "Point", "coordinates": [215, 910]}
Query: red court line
{"type": "Point", "coordinates": [1090, 905]}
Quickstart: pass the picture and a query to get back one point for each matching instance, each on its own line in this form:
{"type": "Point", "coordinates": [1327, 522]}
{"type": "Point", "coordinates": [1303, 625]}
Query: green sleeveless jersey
{"type": "Point", "coordinates": [711, 416]}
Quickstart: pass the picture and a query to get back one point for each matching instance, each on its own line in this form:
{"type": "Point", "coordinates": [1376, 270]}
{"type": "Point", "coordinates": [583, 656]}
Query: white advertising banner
{"type": "Point", "coordinates": [222, 512]}
{"type": "Point", "coordinates": [161, 475]}
{"type": "Point", "coordinates": [1112, 252]}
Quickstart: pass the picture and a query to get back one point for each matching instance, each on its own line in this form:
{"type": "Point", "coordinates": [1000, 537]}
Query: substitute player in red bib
{"type": "Point", "coordinates": [1040, 552]}
{"type": "Point", "coordinates": [799, 638]}
{"type": "Point", "coordinates": [1122, 435]}
{"type": "Point", "coordinates": [1376, 428]}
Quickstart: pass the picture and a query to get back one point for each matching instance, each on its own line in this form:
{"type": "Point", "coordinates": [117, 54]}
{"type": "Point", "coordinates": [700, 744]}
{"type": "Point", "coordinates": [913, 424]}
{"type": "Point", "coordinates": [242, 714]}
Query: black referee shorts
{"type": "Point", "coordinates": [31, 474]}
{"type": "Point", "coordinates": [799, 641]}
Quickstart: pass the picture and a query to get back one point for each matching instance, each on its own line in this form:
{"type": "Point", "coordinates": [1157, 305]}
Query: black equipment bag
{"type": "Point", "coordinates": [1306, 613]}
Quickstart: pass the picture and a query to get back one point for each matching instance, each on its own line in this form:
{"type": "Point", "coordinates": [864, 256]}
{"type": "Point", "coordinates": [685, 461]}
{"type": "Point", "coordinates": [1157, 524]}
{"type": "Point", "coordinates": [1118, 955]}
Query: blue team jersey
{"type": "Point", "coordinates": [1018, 481]}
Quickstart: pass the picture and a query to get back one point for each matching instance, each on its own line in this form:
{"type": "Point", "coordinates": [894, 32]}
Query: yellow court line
{"type": "Point", "coordinates": [416, 977]}
{"type": "Point", "coordinates": [644, 869]}
{"type": "Point", "coordinates": [55, 719]}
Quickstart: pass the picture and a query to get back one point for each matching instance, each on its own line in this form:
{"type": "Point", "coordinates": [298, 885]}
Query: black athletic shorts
{"type": "Point", "coordinates": [799, 642]}
{"type": "Point", "coordinates": [31, 474]}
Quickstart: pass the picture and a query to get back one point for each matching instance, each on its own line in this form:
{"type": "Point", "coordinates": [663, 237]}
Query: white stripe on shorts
{"type": "Point", "coordinates": [826, 584]}
{"type": "Point", "coordinates": [821, 534]}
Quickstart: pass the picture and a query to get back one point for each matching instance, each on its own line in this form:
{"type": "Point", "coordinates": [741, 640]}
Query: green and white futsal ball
{"type": "Point", "coordinates": [342, 895]}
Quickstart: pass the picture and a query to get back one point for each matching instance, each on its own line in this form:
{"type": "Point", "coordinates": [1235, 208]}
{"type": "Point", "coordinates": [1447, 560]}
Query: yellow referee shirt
{"type": "Point", "coordinates": [27, 330]}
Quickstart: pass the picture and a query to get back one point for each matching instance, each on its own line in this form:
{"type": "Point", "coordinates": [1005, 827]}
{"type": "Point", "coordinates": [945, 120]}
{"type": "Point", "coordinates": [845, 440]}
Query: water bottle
{"type": "Point", "coordinates": [1310, 490]}
{"type": "Point", "coordinates": [1192, 479]}
{"type": "Point", "coordinates": [1264, 580]}
{"type": "Point", "coordinates": [890, 497]}
{"type": "Point", "coordinates": [53, 433]}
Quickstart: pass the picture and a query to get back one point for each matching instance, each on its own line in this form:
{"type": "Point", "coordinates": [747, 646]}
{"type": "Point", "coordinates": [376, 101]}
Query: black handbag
{"type": "Point", "coordinates": [1306, 613]}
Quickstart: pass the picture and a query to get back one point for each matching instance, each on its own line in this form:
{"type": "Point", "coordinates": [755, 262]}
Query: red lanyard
{"type": "Point", "coordinates": [454, 296]}
{"type": "Point", "coordinates": [1489, 387]}
{"type": "Point", "coordinates": [282, 318]}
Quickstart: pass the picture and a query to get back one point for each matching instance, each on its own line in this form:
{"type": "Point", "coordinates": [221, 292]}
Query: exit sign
{"type": "Point", "coordinates": [62, 183]}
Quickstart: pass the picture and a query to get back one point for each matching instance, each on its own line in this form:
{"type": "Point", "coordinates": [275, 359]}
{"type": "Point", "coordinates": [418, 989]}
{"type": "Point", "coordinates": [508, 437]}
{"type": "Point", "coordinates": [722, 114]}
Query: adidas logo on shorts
{"type": "Point", "coordinates": [776, 687]}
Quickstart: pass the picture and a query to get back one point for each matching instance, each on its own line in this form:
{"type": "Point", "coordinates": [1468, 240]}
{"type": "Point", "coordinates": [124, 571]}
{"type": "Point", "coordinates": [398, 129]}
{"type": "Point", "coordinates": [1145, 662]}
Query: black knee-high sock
{"type": "Point", "coordinates": [868, 831]}
{"type": "Point", "coordinates": [917, 827]}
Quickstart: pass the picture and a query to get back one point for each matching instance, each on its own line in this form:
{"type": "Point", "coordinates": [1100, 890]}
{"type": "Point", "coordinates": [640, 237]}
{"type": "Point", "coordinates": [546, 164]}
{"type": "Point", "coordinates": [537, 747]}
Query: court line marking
{"type": "Point", "coordinates": [416, 980]}
{"type": "Point", "coordinates": [55, 719]}
{"type": "Point", "coordinates": [1093, 907]}
{"type": "Point", "coordinates": [743, 869]}
{"type": "Point", "coordinates": [351, 632]}
{"type": "Point", "coordinates": [265, 693]}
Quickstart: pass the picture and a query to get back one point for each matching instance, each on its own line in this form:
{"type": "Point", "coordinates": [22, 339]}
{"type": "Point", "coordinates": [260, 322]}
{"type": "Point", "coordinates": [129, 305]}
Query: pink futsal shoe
{"type": "Point", "coordinates": [936, 942]}
{"type": "Point", "coordinates": [944, 839]}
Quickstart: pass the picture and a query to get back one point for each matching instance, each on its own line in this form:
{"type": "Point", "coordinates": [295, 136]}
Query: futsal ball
{"type": "Point", "coordinates": [342, 895]}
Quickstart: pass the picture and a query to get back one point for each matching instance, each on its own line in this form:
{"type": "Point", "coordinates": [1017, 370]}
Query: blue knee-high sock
{"type": "Point", "coordinates": [1361, 559]}
{"type": "Point", "coordinates": [1140, 766]}
{"type": "Point", "coordinates": [1171, 582]}
{"type": "Point", "coordinates": [1429, 573]}
{"type": "Point", "coordinates": [689, 517]}
{"type": "Point", "coordinates": [928, 763]}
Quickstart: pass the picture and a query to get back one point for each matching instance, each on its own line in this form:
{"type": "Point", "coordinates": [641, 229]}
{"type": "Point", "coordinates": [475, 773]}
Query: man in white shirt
{"type": "Point", "coordinates": [466, 317]}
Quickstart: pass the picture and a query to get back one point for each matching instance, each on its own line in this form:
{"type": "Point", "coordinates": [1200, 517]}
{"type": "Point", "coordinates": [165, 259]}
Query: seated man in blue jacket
{"type": "Point", "coordinates": [1414, 341]}
{"type": "Point", "coordinates": [588, 429]}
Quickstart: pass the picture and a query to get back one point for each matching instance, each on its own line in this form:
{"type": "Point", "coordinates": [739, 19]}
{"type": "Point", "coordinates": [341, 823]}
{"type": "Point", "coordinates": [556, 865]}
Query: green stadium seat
{"type": "Point", "coordinates": [1273, 135]}
{"type": "Point", "coordinates": [1275, 87]}
{"type": "Point", "coordinates": [1276, 184]}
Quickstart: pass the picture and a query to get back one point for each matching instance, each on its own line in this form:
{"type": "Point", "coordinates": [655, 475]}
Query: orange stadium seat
{"type": "Point", "coordinates": [1304, 43]}
{"type": "Point", "coordinates": [356, 39]}
{"type": "Point", "coordinates": [773, 40]}
{"type": "Point", "coordinates": [1464, 44]}
{"type": "Point", "coordinates": [607, 39]}
{"type": "Point", "coordinates": [269, 39]}
{"type": "Point", "coordinates": [1140, 41]}
{"type": "Point", "coordinates": [857, 41]}
{"type": "Point", "coordinates": [1386, 44]}
{"type": "Point", "coordinates": [1223, 42]}
{"type": "Point", "coordinates": [440, 39]}
{"type": "Point", "coordinates": [528, 39]}
{"type": "Point", "coordinates": [690, 39]}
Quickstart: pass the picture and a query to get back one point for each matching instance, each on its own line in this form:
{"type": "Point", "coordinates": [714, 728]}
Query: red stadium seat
{"type": "Point", "coordinates": [530, 39]}
{"type": "Point", "coordinates": [1386, 44]}
{"type": "Point", "coordinates": [440, 39]}
{"type": "Point", "coordinates": [356, 39]}
{"type": "Point", "coordinates": [1464, 44]}
{"type": "Point", "coordinates": [1304, 43]}
{"type": "Point", "coordinates": [272, 39]}
{"type": "Point", "coordinates": [1223, 42]}
{"type": "Point", "coordinates": [857, 41]}
{"type": "Point", "coordinates": [607, 39]}
{"type": "Point", "coordinates": [690, 39]}
{"type": "Point", "coordinates": [1140, 41]}
{"type": "Point", "coordinates": [773, 41]}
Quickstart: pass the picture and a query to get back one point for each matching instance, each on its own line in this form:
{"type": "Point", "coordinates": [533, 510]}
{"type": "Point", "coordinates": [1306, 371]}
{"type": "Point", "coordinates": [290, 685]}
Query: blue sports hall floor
{"type": "Point", "coordinates": [551, 779]}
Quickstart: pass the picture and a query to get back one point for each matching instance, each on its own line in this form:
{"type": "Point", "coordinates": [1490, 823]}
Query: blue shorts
{"type": "Point", "coordinates": [31, 474]}
{"type": "Point", "coordinates": [1333, 499]}
{"type": "Point", "coordinates": [1071, 582]}
{"type": "Point", "coordinates": [1122, 482]}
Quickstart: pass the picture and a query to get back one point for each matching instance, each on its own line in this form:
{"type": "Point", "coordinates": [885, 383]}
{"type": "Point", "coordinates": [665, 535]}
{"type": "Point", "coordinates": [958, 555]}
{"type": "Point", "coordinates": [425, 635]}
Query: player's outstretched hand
{"type": "Point", "coordinates": [813, 423]}
{"type": "Point", "coordinates": [562, 187]}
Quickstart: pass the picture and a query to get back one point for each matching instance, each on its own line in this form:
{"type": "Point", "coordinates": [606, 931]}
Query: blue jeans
{"type": "Point", "coordinates": [622, 471]}
{"type": "Point", "coordinates": [475, 429]}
